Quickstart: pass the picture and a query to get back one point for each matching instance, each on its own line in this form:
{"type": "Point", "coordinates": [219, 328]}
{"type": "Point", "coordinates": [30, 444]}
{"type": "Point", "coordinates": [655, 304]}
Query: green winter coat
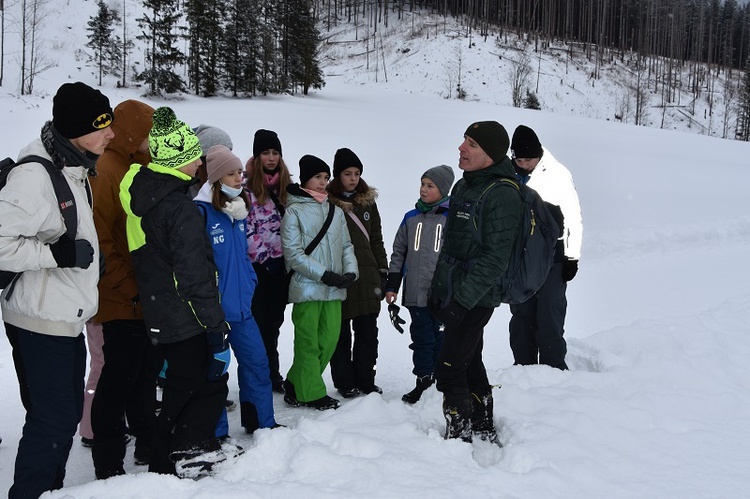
{"type": "Point", "coordinates": [468, 269]}
{"type": "Point", "coordinates": [364, 296]}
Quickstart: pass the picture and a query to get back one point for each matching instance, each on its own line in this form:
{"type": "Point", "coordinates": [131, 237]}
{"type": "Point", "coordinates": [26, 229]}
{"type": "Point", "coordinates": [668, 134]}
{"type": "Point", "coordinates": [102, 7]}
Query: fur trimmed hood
{"type": "Point", "coordinates": [363, 199]}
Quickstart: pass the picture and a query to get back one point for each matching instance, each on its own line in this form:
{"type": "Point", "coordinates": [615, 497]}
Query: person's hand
{"type": "Point", "coordinates": [69, 253]}
{"type": "Point", "coordinates": [452, 315]}
{"type": "Point", "coordinates": [569, 270]}
{"type": "Point", "coordinates": [332, 279]}
{"type": "Point", "coordinates": [219, 356]}
{"type": "Point", "coordinates": [349, 279]}
{"type": "Point", "coordinates": [397, 321]}
{"type": "Point", "coordinates": [390, 297]}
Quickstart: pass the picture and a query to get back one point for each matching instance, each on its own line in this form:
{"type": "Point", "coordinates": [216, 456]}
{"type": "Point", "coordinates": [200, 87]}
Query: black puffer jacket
{"type": "Point", "coordinates": [364, 296]}
{"type": "Point", "coordinates": [172, 256]}
{"type": "Point", "coordinates": [468, 270]}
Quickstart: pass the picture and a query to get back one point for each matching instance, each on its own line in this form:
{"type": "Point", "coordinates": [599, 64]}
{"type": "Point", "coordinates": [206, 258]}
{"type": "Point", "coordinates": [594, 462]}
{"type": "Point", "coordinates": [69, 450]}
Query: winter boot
{"type": "Point", "coordinates": [290, 397]}
{"type": "Point", "coordinates": [482, 422]}
{"type": "Point", "coordinates": [322, 404]}
{"type": "Point", "coordinates": [349, 393]}
{"type": "Point", "coordinates": [423, 383]}
{"type": "Point", "coordinates": [458, 420]}
{"type": "Point", "coordinates": [249, 417]}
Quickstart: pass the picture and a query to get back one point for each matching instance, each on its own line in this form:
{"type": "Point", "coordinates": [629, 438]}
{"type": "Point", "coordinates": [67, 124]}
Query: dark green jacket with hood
{"type": "Point", "coordinates": [468, 270]}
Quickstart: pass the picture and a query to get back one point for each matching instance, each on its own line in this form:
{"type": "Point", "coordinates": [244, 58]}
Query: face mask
{"type": "Point", "coordinates": [231, 191]}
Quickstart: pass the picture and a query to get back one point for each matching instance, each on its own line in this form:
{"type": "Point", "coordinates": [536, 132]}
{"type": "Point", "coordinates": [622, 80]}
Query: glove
{"type": "Point", "coordinates": [569, 270]}
{"type": "Point", "coordinates": [332, 279]}
{"type": "Point", "coordinates": [452, 315]}
{"type": "Point", "coordinates": [393, 311]}
{"type": "Point", "coordinates": [69, 253]}
{"type": "Point", "coordinates": [219, 356]}
{"type": "Point", "coordinates": [348, 280]}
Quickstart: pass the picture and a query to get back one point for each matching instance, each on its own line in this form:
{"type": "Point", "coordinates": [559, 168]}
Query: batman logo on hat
{"type": "Point", "coordinates": [102, 121]}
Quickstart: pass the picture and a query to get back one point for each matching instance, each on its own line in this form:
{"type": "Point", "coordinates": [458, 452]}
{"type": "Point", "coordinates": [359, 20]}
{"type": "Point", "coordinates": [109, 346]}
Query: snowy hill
{"type": "Point", "coordinates": [657, 401]}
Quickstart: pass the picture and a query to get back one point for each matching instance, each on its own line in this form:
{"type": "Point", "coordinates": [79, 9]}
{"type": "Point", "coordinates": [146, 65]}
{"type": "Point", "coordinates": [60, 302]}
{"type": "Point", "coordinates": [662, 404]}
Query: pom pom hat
{"type": "Point", "coordinates": [171, 142]}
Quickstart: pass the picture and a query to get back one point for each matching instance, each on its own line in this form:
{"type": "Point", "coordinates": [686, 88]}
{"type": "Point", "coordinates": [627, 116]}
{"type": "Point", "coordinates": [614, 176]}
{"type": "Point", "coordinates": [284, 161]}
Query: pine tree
{"type": "Point", "coordinates": [300, 47]}
{"type": "Point", "coordinates": [531, 101]}
{"type": "Point", "coordinates": [158, 30]}
{"type": "Point", "coordinates": [240, 48]}
{"type": "Point", "coordinates": [743, 113]}
{"type": "Point", "coordinates": [205, 20]}
{"type": "Point", "coordinates": [100, 28]}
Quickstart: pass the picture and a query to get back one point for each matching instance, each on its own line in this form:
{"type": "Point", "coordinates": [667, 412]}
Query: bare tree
{"type": "Point", "coordinates": [32, 63]}
{"type": "Point", "coordinates": [518, 78]}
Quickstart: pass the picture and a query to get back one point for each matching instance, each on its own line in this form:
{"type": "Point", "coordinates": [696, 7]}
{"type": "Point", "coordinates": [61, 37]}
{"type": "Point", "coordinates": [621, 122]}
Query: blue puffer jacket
{"type": "Point", "coordinates": [303, 219]}
{"type": "Point", "coordinates": [237, 278]}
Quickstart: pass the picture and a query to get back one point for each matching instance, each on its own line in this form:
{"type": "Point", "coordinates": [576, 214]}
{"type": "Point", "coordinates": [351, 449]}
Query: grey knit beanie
{"type": "Point", "coordinates": [210, 136]}
{"type": "Point", "coordinates": [442, 176]}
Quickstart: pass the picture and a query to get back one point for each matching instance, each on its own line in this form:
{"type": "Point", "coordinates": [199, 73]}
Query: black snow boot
{"type": "Point", "coordinates": [423, 383]}
{"type": "Point", "coordinates": [482, 422]}
{"type": "Point", "coordinates": [249, 417]}
{"type": "Point", "coordinates": [458, 420]}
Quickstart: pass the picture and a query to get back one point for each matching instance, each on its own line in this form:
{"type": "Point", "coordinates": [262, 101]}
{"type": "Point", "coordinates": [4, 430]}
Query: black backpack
{"type": "Point", "coordinates": [65, 201]}
{"type": "Point", "coordinates": [534, 249]}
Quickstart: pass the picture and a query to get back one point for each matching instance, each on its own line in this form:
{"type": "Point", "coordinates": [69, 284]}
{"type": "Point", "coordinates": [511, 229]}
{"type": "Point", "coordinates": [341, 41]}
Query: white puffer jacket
{"type": "Point", "coordinates": [45, 299]}
{"type": "Point", "coordinates": [554, 183]}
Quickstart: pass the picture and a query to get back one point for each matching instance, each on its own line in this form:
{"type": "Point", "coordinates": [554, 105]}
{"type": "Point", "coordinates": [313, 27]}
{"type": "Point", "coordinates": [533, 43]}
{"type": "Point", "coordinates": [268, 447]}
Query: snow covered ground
{"type": "Point", "coordinates": [657, 401]}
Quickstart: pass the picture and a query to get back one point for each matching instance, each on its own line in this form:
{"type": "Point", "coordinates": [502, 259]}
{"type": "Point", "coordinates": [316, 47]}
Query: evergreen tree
{"type": "Point", "coordinates": [240, 48]}
{"type": "Point", "coordinates": [743, 113]}
{"type": "Point", "coordinates": [268, 54]}
{"type": "Point", "coordinates": [205, 19]}
{"type": "Point", "coordinates": [158, 30]}
{"type": "Point", "coordinates": [531, 101]}
{"type": "Point", "coordinates": [300, 42]}
{"type": "Point", "coordinates": [100, 28]}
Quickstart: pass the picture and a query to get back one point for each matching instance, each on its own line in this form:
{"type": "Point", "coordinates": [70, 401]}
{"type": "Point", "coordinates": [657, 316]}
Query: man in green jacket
{"type": "Point", "coordinates": [480, 232]}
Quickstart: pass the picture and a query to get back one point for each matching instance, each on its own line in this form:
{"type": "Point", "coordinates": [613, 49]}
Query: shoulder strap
{"type": "Point", "coordinates": [65, 200]}
{"type": "Point", "coordinates": [323, 230]}
{"type": "Point", "coordinates": [357, 221]}
{"type": "Point", "coordinates": [276, 202]}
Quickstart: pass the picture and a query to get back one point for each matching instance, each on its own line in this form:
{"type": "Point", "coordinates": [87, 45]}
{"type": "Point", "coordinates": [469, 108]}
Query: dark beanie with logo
{"type": "Point", "coordinates": [265, 140]}
{"type": "Point", "coordinates": [78, 109]}
{"type": "Point", "coordinates": [309, 166]}
{"type": "Point", "coordinates": [442, 176]}
{"type": "Point", "coordinates": [525, 143]}
{"type": "Point", "coordinates": [491, 137]}
{"type": "Point", "coordinates": [345, 158]}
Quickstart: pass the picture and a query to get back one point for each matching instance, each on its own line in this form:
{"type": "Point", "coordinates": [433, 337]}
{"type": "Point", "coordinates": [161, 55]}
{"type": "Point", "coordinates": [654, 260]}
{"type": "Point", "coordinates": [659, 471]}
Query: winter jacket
{"type": "Point", "coordinates": [46, 299]}
{"type": "Point", "coordinates": [237, 278]}
{"type": "Point", "coordinates": [172, 256]}
{"type": "Point", "coordinates": [415, 254]}
{"type": "Point", "coordinates": [118, 290]}
{"type": "Point", "coordinates": [263, 230]}
{"type": "Point", "coordinates": [554, 183]}
{"type": "Point", "coordinates": [363, 297]}
{"type": "Point", "coordinates": [468, 271]}
{"type": "Point", "coordinates": [303, 220]}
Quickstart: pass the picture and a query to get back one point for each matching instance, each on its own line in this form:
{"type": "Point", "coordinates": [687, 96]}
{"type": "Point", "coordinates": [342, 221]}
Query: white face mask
{"type": "Point", "coordinates": [231, 191]}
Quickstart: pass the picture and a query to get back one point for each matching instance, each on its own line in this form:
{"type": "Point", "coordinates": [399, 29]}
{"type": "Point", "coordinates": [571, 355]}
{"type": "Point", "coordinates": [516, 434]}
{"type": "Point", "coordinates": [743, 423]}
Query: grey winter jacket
{"type": "Point", "coordinates": [301, 223]}
{"type": "Point", "coordinates": [416, 249]}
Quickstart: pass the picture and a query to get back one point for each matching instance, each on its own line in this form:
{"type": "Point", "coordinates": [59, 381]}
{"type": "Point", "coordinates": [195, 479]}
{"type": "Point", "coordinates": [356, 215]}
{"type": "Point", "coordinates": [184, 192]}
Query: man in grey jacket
{"type": "Point", "coordinates": [56, 292]}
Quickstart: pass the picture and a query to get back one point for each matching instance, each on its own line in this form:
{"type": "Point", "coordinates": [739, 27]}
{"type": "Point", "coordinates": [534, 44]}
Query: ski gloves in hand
{"type": "Point", "coordinates": [337, 280]}
{"type": "Point", "coordinates": [219, 356]}
{"type": "Point", "coordinates": [69, 253]}
{"type": "Point", "coordinates": [393, 311]}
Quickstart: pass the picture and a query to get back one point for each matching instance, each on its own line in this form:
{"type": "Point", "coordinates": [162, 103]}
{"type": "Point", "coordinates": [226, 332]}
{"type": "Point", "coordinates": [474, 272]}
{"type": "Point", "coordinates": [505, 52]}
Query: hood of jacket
{"type": "Point", "coordinates": [153, 183]}
{"type": "Point", "coordinates": [366, 198]}
{"type": "Point", "coordinates": [131, 127]}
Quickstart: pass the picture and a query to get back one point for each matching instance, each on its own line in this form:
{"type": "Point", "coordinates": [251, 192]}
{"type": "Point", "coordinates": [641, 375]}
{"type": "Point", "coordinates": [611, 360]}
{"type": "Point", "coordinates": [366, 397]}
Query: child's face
{"type": "Point", "coordinates": [190, 168]}
{"type": "Point", "coordinates": [233, 179]}
{"type": "Point", "coordinates": [350, 178]}
{"type": "Point", "coordinates": [270, 159]}
{"type": "Point", "coordinates": [318, 182]}
{"type": "Point", "coordinates": [428, 192]}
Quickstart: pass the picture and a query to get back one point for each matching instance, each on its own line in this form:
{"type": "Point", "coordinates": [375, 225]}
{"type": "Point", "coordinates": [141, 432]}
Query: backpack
{"type": "Point", "coordinates": [65, 201]}
{"type": "Point", "coordinates": [533, 252]}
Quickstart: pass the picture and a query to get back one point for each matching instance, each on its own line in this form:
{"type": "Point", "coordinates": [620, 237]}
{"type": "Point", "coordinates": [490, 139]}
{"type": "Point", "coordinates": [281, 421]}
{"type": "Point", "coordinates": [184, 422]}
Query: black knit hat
{"type": "Point", "coordinates": [525, 143]}
{"type": "Point", "coordinates": [309, 166]}
{"type": "Point", "coordinates": [345, 158]}
{"type": "Point", "coordinates": [78, 109]}
{"type": "Point", "coordinates": [264, 140]}
{"type": "Point", "coordinates": [491, 137]}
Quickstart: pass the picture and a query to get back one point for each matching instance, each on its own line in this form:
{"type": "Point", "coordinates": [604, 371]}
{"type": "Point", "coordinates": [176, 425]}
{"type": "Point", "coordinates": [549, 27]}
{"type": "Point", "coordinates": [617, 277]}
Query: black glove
{"type": "Point", "coordinates": [69, 253]}
{"type": "Point", "coordinates": [219, 356]}
{"type": "Point", "coordinates": [393, 311]}
{"type": "Point", "coordinates": [569, 270]}
{"type": "Point", "coordinates": [332, 279]}
{"type": "Point", "coordinates": [348, 280]}
{"type": "Point", "coordinates": [452, 314]}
